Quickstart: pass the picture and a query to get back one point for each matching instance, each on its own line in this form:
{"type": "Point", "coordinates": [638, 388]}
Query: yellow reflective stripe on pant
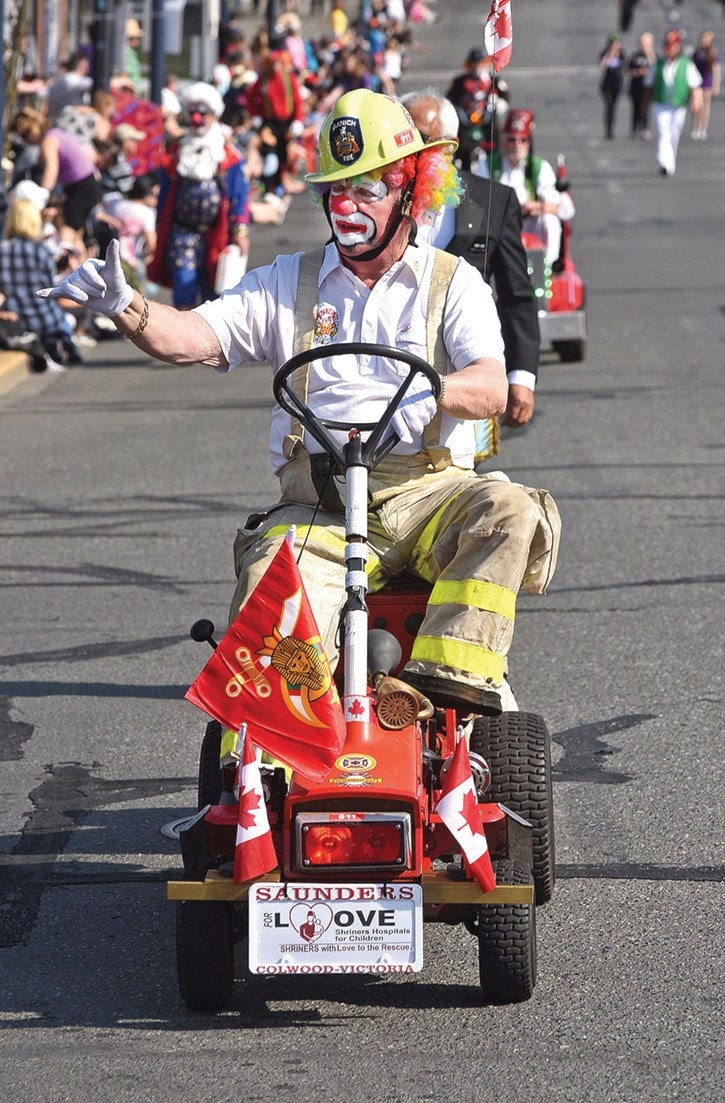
{"type": "Point", "coordinates": [486, 596]}
{"type": "Point", "coordinates": [484, 666]}
{"type": "Point", "coordinates": [472, 660]}
{"type": "Point", "coordinates": [334, 539]}
{"type": "Point", "coordinates": [474, 547]}
{"type": "Point", "coordinates": [228, 745]}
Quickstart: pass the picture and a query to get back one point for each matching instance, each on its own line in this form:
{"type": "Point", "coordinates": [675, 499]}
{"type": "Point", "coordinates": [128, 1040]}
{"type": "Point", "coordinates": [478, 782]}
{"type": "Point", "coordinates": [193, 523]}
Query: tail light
{"type": "Point", "coordinates": [353, 840]}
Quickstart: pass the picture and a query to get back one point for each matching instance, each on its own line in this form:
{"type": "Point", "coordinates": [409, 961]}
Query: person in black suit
{"type": "Point", "coordinates": [485, 229]}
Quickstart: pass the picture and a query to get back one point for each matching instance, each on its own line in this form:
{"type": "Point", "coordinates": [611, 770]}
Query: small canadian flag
{"type": "Point", "coordinates": [254, 853]}
{"type": "Point", "coordinates": [498, 34]}
{"type": "Point", "coordinates": [458, 808]}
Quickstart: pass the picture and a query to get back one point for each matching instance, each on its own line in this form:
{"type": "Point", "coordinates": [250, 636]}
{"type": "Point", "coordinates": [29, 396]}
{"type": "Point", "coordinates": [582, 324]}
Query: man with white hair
{"type": "Point", "coordinates": [202, 202]}
{"type": "Point", "coordinates": [486, 229]}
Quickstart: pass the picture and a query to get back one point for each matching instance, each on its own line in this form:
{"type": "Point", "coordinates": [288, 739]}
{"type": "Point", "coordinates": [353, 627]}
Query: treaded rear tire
{"type": "Point", "coordinates": [517, 747]}
{"type": "Point", "coordinates": [205, 954]}
{"type": "Point", "coordinates": [507, 941]}
{"type": "Point", "coordinates": [210, 775]}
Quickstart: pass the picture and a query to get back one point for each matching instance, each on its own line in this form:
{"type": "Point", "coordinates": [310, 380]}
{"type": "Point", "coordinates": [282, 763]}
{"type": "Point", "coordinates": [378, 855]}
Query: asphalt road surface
{"type": "Point", "coordinates": [123, 484]}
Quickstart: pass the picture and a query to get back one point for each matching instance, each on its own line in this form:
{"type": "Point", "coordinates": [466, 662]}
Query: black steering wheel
{"type": "Point", "coordinates": [375, 448]}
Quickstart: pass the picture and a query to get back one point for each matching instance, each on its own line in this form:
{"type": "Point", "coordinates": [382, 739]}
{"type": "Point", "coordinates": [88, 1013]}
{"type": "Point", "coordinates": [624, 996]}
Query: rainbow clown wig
{"type": "Point", "coordinates": [432, 174]}
{"type": "Point", "coordinates": [369, 134]}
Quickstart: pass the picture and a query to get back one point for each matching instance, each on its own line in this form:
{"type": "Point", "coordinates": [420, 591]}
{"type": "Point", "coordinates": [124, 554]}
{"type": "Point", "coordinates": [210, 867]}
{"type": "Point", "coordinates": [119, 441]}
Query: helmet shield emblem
{"type": "Point", "coordinates": [346, 140]}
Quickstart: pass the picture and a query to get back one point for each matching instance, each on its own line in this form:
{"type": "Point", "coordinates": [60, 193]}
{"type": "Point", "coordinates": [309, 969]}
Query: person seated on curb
{"type": "Point", "coordinates": [26, 265]}
{"type": "Point", "coordinates": [476, 538]}
{"type": "Point", "coordinates": [13, 338]}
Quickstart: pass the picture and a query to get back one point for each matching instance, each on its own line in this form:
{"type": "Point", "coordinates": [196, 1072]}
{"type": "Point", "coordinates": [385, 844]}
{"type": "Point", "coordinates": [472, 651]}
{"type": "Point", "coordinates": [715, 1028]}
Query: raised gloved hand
{"type": "Point", "coordinates": [99, 283]}
{"type": "Point", "coordinates": [415, 411]}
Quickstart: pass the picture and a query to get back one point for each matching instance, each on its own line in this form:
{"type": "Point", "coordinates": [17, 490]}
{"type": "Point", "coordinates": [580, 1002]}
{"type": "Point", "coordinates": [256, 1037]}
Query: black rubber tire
{"type": "Point", "coordinates": [205, 954]}
{"type": "Point", "coordinates": [507, 942]}
{"type": "Point", "coordinates": [517, 748]}
{"type": "Point", "coordinates": [571, 352]}
{"type": "Point", "coordinates": [210, 774]}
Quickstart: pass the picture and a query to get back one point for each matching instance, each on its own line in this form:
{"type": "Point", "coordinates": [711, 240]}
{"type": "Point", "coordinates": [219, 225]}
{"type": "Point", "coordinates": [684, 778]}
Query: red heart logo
{"type": "Point", "coordinates": [310, 920]}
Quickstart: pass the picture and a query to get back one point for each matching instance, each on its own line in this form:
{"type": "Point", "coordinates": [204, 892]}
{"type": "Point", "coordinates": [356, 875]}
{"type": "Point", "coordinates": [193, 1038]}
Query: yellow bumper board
{"type": "Point", "coordinates": [437, 889]}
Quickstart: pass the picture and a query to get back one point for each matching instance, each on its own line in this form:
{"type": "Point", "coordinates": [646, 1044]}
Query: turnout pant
{"type": "Point", "coordinates": [477, 539]}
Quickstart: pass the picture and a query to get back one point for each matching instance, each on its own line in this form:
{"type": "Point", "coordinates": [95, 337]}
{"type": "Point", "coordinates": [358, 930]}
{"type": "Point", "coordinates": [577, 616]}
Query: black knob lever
{"type": "Point", "coordinates": [203, 632]}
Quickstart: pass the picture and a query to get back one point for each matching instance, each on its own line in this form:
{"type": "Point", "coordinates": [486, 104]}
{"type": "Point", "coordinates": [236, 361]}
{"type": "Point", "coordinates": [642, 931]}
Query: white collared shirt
{"type": "Point", "coordinates": [514, 176]}
{"type": "Point", "coordinates": [255, 322]}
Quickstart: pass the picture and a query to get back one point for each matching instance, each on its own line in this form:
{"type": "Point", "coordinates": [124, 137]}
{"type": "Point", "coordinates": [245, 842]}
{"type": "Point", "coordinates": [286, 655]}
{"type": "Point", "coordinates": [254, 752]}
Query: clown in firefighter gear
{"type": "Point", "coordinates": [477, 539]}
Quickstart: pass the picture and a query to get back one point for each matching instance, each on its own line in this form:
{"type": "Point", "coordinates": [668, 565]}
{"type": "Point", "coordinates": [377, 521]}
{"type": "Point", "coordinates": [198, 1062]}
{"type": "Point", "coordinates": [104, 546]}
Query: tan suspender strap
{"type": "Point", "coordinates": [305, 312]}
{"type": "Point", "coordinates": [487, 431]}
{"type": "Point", "coordinates": [443, 268]}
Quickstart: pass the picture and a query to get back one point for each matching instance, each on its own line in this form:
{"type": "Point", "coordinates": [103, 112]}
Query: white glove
{"type": "Point", "coordinates": [100, 283]}
{"type": "Point", "coordinates": [415, 411]}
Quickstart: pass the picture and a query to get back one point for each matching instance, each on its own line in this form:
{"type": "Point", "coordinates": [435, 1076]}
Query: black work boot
{"type": "Point", "coordinates": [445, 693]}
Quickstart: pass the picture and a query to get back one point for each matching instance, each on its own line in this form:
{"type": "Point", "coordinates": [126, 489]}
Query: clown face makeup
{"type": "Point", "coordinates": [200, 117]}
{"type": "Point", "coordinates": [351, 224]}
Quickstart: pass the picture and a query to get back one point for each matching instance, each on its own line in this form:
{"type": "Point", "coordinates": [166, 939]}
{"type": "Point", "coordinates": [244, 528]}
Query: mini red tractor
{"type": "Point", "coordinates": [364, 859]}
{"type": "Point", "coordinates": [559, 290]}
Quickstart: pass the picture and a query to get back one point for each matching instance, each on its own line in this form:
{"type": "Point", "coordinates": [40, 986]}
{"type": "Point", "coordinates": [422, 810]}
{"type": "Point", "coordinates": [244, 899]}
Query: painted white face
{"type": "Point", "coordinates": [350, 225]}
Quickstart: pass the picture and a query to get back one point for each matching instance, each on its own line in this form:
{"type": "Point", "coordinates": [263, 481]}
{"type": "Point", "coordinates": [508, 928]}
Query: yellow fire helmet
{"type": "Point", "coordinates": [366, 131]}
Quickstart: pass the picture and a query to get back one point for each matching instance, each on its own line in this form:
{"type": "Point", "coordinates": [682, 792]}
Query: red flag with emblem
{"type": "Point", "coordinates": [498, 34]}
{"type": "Point", "coordinates": [254, 853]}
{"type": "Point", "coordinates": [270, 672]}
{"type": "Point", "coordinates": [458, 808]}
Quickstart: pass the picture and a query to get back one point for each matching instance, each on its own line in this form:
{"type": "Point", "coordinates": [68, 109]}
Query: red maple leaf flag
{"type": "Point", "coordinates": [457, 808]}
{"type": "Point", "coordinates": [498, 34]}
{"type": "Point", "coordinates": [254, 853]}
{"type": "Point", "coordinates": [270, 672]}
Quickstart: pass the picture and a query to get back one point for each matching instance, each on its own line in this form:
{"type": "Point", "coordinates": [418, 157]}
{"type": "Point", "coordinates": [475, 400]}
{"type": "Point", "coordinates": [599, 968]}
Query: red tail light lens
{"type": "Point", "coordinates": [327, 845]}
{"type": "Point", "coordinates": [373, 840]}
{"type": "Point", "coordinates": [379, 844]}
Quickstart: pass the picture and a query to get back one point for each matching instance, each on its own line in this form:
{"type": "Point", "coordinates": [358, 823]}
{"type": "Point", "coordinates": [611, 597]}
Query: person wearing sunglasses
{"type": "Point", "coordinates": [543, 208]}
{"type": "Point", "coordinates": [203, 202]}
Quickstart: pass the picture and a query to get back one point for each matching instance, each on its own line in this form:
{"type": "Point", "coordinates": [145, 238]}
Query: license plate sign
{"type": "Point", "coordinates": [319, 929]}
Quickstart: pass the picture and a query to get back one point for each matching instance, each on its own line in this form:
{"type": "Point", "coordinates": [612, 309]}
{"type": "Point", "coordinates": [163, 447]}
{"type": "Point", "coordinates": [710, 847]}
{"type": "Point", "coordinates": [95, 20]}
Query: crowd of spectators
{"type": "Point", "coordinates": [92, 158]}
